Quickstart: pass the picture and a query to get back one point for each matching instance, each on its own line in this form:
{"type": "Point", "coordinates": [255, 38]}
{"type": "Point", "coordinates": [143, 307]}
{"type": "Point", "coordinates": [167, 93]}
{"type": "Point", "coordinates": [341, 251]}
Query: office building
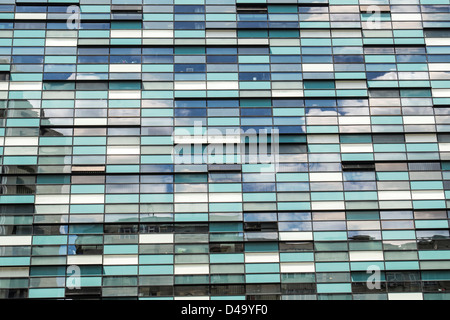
{"type": "Point", "coordinates": [225, 149]}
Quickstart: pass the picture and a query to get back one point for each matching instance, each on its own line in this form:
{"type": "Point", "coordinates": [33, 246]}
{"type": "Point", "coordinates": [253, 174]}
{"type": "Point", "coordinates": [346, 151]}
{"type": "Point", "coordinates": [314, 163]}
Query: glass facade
{"type": "Point", "coordinates": [96, 97]}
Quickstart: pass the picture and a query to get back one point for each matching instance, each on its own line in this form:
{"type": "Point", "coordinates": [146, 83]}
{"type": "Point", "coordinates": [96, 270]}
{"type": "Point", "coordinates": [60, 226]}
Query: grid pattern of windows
{"type": "Point", "coordinates": [96, 95]}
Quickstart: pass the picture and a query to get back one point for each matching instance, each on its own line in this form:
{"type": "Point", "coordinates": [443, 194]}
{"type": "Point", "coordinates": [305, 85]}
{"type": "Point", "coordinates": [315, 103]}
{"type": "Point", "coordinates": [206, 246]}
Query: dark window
{"type": "Point", "coordinates": [198, 290]}
{"type": "Point", "coordinates": [298, 288]}
{"type": "Point", "coordinates": [155, 291]}
{"type": "Point", "coordinates": [296, 246]}
{"type": "Point", "coordinates": [358, 166]}
{"type": "Point", "coordinates": [226, 247]}
{"type": "Point", "coordinates": [263, 288]}
{"type": "Point", "coordinates": [388, 138]}
{"type": "Point", "coordinates": [228, 290]}
{"type": "Point", "coordinates": [191, 228]}
{"type": "Point", "coordinates": [156, 228]}
{"type": "Point", "coordinates": [251, 8]}
{"type": "Point", "coordinates": [260, 226]}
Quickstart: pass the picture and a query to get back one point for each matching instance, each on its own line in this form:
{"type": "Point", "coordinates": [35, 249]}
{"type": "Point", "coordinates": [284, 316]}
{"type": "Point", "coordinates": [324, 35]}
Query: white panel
{"type": "Point", "coordinates": [444, 147]}
{"type": "Point", "coordinates": [297, 267]}
{"type": "Point", "coordinates": [191, 268]}
{"type": "Point", "coordinates": [192, 298]}
{"type": "Point", "coordinates": [120, 259]}
{"type": "Point", "coordinates": [189, 140]}
{"type": "Point", "coordinates": [440, 93]}
{"type": "Point", "coordinates": [249, 41]}
{"type": "Point", "coordinates": [356, 147]}
{"type": "Point", "coordinates": [221, 41]}
{"type": "Point", "coordinates": [190, 85]}
{"type": "Point", "coordinates": [157, 33]}
{"type": "Point", "coordinates": [52, 198]}
{"type": "Point", "coordinates": [325, 176]}
{"type": "Point", "coordinates": [406, 16]}
{"type": "Point", "coordinates": [125, 67]}
{"type": "Point", "coordinates": [229, 138]}
{"type": "Point", "coordinates": [405, 296]}
{"type": "Point", "coordinates": [288, 236]}
{"type": "Point", "coordinates": [420, 137]}
{"type": "Point", "coordinates": [223, 85]}
{"type": "Point", "coordinates": [20, 151]}
{"type": "Point", "coordinates": [126, 34]}
{"type": "Point", "coordinates": [287, 93]}
{"type": "Point", "coordinates": [30, 16]}
{"type": "Point", "coordinates": [311, 67]}
{"type": "Point", "coordinates": [126, 150]}
{"type": "Point", "coordinates": [439, 66]}
{"type": "Point", "coordinates": [57, 42]}
{"type": "Point", "coordinates": [88, 259]}
{"type": "Point", "coordinates": [14, 272]}
{"type": "Point", "coordinates": [437, 41]}
{"type": "Point", "coordinates": [343, 120]}
{"type": "Point", "coordinates": [156, 238]}
{"type": "Point", "coordinates": [328, 205]}
{"type": "Point", "coordinates": [284, 42]}
{"type": "Point", "coordinates": [418, 119]}
{"type": "Point", "coordinates": [428, 195]}
{"type": "Point", "coordinates": [87, 198]}
{"type": "Point", "coordinates": [15, 240]}
{"type": "Point", "coordinates": [261, 257]}
{"type": "Point", "coordinates": [416, 75]}
{"type": "Point", "coordinates": [125, 94]}
{"type": "Point", "coordinates": [25, 85]}
{"type": "Point", "coordinates": [394, 195]}
{"type": "Point", "coordinates": [366, 256]}
{"type": "Point", "coordinates": [91, 121]}
{"type": "Point", "coordinates": [220, 34]}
